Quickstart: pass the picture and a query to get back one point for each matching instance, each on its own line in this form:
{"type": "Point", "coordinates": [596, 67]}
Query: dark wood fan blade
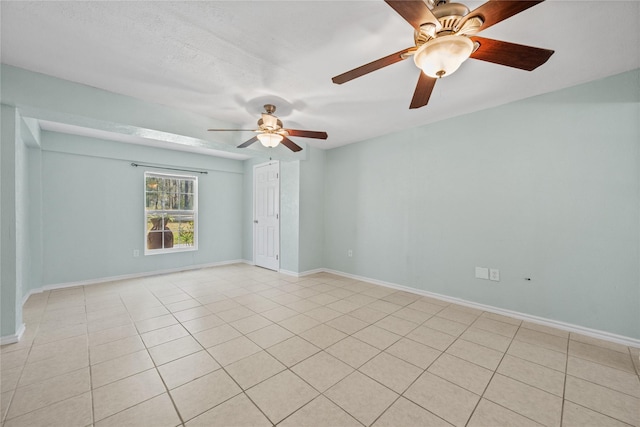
{"type": "Point", "coordinates": [248, 142]}
{"type": "Point", "coordinates": [371, 66]}
{"type": "Point", "coordinates": [290, 144]}
{"type": "Point", "coordinates": [423, 91]}
{"type": "Point", "coordinates": [231, 130]}
{"type": "Point", "coordinates": [415, 12]}
{"type": "Point", "coordinates": [307, 133]}
{"type": "Point", "coordinates": [495, 11]}
{"type": "Point", "coordinates": [510, 54]}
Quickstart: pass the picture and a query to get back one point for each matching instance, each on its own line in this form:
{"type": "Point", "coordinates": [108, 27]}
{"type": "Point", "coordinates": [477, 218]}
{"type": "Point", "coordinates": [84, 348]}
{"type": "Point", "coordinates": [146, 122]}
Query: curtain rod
{"type": "Point", "coordinates": [135, 165]}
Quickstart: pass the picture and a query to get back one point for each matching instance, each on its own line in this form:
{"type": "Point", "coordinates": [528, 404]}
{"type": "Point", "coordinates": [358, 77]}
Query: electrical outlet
{"type": "Point", "coordinates": [350, 253]}
{"type": "Point", "coordinates": [482, 273]}
{"type": "Point", "coordinates": [494, 274]}
{"type": "Point", "coordinates": [136, 253]}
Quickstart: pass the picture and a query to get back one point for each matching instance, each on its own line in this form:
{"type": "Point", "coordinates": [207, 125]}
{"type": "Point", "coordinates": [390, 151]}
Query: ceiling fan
{"type": "Point", "coordinates": [444, 34]}
{"type": "Point", "coordinates": [271, 133]}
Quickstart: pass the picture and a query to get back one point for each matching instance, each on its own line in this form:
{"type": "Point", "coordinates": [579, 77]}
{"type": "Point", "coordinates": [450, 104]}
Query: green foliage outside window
{"type": "Point", "coordinates": [170, 207]}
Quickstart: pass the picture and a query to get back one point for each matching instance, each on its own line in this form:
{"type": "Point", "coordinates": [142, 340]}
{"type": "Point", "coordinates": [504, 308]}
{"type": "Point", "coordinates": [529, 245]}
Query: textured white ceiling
{"type": "Point", "coordinates": [225, 59]}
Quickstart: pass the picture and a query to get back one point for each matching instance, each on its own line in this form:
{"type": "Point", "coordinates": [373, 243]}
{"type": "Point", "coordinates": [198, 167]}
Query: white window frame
{"type": "Point", "coordinates": [193, 212]}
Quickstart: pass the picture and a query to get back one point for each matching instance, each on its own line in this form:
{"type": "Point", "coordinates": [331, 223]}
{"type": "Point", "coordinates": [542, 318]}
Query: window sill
{"type": "Point", "coordinates": [175, 249]}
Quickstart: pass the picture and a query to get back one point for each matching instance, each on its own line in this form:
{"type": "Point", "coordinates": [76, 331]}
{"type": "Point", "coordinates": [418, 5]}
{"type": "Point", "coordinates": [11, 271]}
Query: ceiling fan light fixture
{"type": "Point", "coordinates": [269, 121]}
{"type": "Point", "coordinates": [442, 56]}
{"type": "Point", "coordinates": [270, 139]}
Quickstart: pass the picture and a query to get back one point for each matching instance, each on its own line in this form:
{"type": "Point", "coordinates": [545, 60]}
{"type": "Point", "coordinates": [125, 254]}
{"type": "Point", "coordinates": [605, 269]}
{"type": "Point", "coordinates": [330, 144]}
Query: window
{"type": "Point", "coordinates": [171, 213]}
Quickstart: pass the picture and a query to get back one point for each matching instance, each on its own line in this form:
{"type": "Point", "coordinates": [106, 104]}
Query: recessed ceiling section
{"type": "Point", "coordinates": [138, 139]}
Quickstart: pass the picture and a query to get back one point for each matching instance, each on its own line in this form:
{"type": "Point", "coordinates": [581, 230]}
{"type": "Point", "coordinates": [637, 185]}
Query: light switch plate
{"type": "Point", "coordinates": [494, 274]}
{"type": "Point", "coordinates": [482, 273]}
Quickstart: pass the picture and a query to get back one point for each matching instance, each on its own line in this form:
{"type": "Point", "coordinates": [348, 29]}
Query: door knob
{"type": "Point", "coordinates": [255, 221]}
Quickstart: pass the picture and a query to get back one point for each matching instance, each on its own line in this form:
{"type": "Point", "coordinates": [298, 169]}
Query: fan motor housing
{"type": "Point", "coordinates": [450, 15]}
{"type": "Point", "coordinates": [261, 123]}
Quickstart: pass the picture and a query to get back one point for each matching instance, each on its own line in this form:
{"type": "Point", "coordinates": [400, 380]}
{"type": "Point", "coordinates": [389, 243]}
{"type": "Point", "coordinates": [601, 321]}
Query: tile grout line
{"type": "Point", "coordinates": [175, 407]}
{"type": "Point", "coordinates": [492, 375]}
{"type": "Point", "coordinates": [409, 332]}
{"type": "Point", "coordinates": [242, 391]}
{"type": "Point", "coordinates": [362, 292]}
{"type": "Point", "coordinates": [432, 315]}
{"type": "Point", "coordinates": [155, 366]}
{"type": "Point", "coordinates": [263, 349]}
{"type": "Point", "coordinates": [288, 368]}
{"type": "Point", "coordinates": [129, 376]}
{"type": "Point", "coordinates": [93, 409]}
{"type": "Point", "coordinates": [400, 395]}
{"type": "Point", "coordinates": [24, 365]}
{"type": "Point", "coordinates": [495, 371]}
{"type": "Point", "coordinates": [593, 409]}
{"type": "Point", "coordinates": [564, 384]}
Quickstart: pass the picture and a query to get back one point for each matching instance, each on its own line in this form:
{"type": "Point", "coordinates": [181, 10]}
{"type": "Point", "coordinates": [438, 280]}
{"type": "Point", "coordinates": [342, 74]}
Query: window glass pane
{"type": "Point", "coordinates": [184, 229]}
{"type": "Point", "coordinates": [152, 183]}
{"type": "Point", "coordinates": [175, 194]}
{"type": "Point", "coordinates": [166, 200]}
{"type": "Point", "coordinates": [186, 202]}
{"type": "Point", "coordinates": [189, 187]}
{"type": "Point", "coordinates": [159, 235]}
{"type": "Point", "coordinates": [149, 223]}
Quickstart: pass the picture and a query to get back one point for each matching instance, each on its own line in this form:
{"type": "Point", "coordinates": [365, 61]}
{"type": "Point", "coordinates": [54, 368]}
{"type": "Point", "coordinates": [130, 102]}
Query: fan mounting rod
{"type": "Point", "coordinates": [269, 108]}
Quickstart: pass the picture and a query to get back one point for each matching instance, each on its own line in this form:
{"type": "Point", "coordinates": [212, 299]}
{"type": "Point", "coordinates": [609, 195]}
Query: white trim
{"type": "Point", "coordinates": [603, 335]}
{"type": "Point", "coordinates": [569, 327]}
{"type": "Point", "coordinates": [304, 273]}
{"type": "Point", "coordinates": [14, 338]}
{"type": "Point", "coordinates": [128, 276]}
{"type": "Point", "coordinates": [289, 273]}
{"type": "Point", "coordinates": [31, 292]}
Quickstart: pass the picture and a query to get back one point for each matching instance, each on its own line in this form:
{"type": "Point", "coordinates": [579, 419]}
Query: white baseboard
{"type": "Point", "coordinates": [12, 339]}
{"type": "Point", "coordinates": [31, 292]}
{"type": "Point", "coordinates": [126, 277]}
{"type": "Point", "coordinates": [594, 333]}
{"type": "Point", "coordinates": [304, 273]}
{"type": "Point", "coordinates": [289, 273]}
{"type": "Point", "coordinates": [607, 336]}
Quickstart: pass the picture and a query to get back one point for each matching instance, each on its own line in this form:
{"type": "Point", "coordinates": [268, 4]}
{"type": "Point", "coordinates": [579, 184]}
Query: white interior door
{"type": "Point", "coordinates": [266, 218]}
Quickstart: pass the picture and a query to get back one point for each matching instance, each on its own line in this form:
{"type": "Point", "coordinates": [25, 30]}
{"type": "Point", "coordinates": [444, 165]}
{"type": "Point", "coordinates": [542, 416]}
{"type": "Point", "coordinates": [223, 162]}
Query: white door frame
{"type": "Point", "coordinates": [271, 162]}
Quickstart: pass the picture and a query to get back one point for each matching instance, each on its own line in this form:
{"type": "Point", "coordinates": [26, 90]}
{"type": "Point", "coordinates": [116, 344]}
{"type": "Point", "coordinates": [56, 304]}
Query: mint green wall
{"type": "Point", "coordinates": [50, 98]}
{"type": "Point", "coordinates": [5, 288]}
{"type": "Point", "coordinates": [31, 191]}
{"type": "Point", "coordinates": [11, 229]}
{"type": "Point", "coordinates": [23, 229]}
{"type": "Point", "coordinates": [546, 188]}
{"type": "Point", "coordinates": [35, 218]}
{"type": "Point", "coordinates": [92, 204]}
{"type": "Point", "coordinates": [312, 231]}
{"type": "Point", "coordinates": [291, 211]}
{"type": "Point", "coordinates": [289, 215]}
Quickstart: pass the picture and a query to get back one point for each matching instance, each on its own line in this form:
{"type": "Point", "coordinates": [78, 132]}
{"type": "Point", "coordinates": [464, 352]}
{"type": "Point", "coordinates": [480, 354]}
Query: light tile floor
{"type": "Point", "coordinates": [243, 346]}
